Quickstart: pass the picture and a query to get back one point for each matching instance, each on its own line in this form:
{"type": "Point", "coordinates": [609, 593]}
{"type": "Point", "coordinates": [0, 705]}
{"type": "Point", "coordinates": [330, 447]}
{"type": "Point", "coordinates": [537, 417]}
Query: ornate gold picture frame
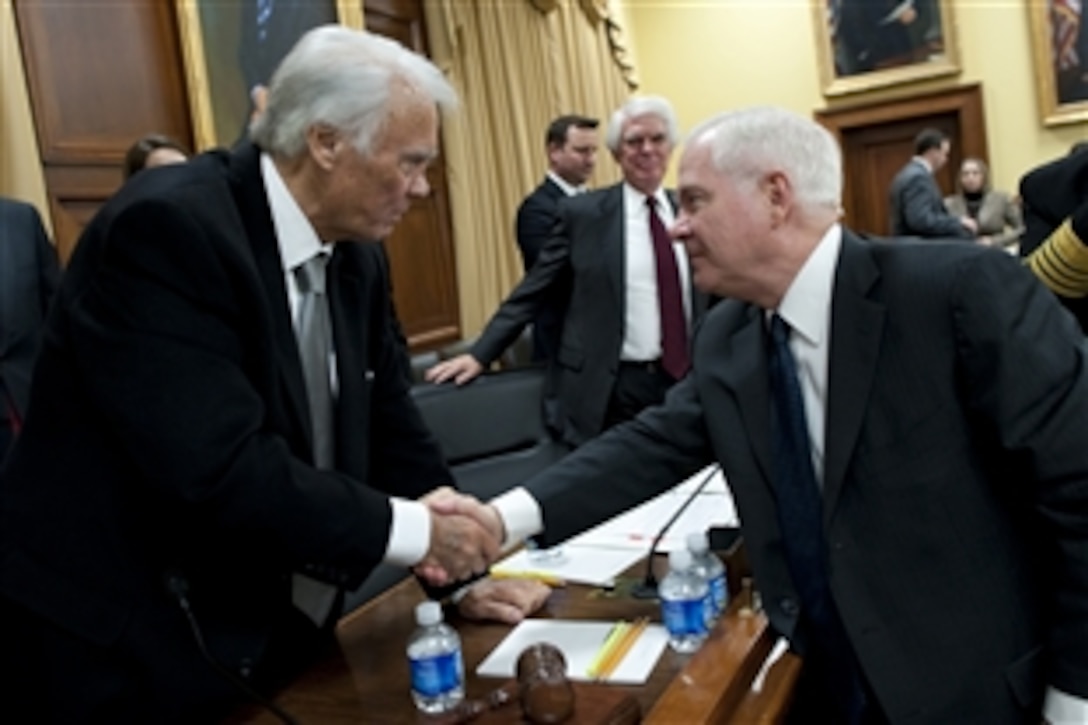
{"type": "Point", "coordinates": [868, 44]}
{"type": "Point", "coordinates": [1060, 60]}
{"type": "Point", "coordinates": [230, 46]}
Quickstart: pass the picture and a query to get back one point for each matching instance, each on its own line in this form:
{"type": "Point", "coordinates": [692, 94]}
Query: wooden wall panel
{"type": "Point", "coordinates": [100, 75]}
{"type": "Point", "coordinates": [421, 253]}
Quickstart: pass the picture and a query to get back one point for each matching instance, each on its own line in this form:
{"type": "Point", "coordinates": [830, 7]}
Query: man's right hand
{"type": "Point", "coordinates": [466, 537]}
{"type": "Point", "coordinates": [460, 369]}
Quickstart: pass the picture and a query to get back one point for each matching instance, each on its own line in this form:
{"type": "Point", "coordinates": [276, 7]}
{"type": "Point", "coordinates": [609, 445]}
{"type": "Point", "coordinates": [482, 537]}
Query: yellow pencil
{"type": "Point", "coordinates": [539, 576]}
{"type": "Point", "coordinates": [630, 635]}
{"type": "Point", "coordinates": [610, 642]}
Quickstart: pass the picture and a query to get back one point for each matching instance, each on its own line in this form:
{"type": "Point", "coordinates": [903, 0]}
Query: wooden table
{"type": "Point", "coordinates": [367, 681]}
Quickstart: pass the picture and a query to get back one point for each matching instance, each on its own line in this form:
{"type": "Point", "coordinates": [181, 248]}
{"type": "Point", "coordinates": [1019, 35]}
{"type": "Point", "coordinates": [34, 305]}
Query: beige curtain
{"type": "Point", "coordinates": [516, 65]}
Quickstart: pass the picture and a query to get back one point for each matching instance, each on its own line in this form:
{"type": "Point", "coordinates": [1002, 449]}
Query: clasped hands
{"type": "Point", "coordinates": [466, 537]}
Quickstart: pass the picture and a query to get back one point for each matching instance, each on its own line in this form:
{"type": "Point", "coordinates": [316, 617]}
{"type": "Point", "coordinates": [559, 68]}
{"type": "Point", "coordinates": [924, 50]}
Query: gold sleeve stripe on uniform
{"type": "Point", "coordinates": [1061, 263]}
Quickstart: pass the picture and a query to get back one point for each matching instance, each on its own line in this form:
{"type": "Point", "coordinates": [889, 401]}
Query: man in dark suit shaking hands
{"type": "Point", "coordinates": [571, 143]}
{"type": "Point", "coordinates": [219, 421]}
{"type": "Point", "coordinates": [631, 303]}
{"type": "Point", "coordinates": [903, 433]}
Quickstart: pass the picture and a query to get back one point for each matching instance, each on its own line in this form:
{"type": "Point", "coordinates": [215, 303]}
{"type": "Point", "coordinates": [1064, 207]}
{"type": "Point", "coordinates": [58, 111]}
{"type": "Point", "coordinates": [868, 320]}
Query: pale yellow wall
{"type": "Point", "coordinates": [708, 56]}
{"type": "Point", "coordinates": [20, 167]}
{"type": "Point", "coordinates": [712, 55]}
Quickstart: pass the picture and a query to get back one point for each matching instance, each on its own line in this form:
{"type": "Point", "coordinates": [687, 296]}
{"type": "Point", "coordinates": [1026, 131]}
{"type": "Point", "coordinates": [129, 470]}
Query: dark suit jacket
{"type": "Point", "coordinates": [587, 253]}
{"type": "Point", "coordinates": [1050, 193]}
{"type": "Point", "coordinates": [535, 224]}
{"type": "Point", "coordinates": [169, 416]}
{"type": "Point", "coordinates": [28, 278]}
{"type": "Point", "coordinates": [955, 486]}
{"type": "Point", "coordinates": [917, 207]}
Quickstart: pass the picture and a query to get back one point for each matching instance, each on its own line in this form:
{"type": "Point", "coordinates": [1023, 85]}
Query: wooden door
{"type": "Point", "coordinates": [878, 139]}
{"type": "Point", "coordinates": [102, 74]}
{"type": "Point", "coordinates": [99, 75]}
{"type": "Point", "coordinates": [420, 249]}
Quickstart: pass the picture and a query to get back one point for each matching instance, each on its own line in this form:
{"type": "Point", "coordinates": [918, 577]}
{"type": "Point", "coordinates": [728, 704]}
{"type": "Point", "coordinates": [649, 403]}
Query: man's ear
{"type": "Point", "coordinates": [777, 190]}
{"type": "Point", "coordinates": [324, 143]}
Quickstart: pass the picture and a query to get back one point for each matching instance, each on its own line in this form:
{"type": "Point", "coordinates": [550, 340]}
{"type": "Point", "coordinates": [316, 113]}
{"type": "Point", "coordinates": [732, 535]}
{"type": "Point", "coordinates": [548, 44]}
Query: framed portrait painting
{"type": "Point", "coordinates": [1060, 50]}
{"type": "Point", "coordinates": [231, 47]}
{"type": "Point", "coordinates": [868, 44]}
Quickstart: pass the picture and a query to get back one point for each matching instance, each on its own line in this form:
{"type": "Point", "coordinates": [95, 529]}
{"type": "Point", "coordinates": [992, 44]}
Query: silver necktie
{"type": "Point", "coordinates": [315, 347]}
{"type": "Point", "coordinates": [314, 334]}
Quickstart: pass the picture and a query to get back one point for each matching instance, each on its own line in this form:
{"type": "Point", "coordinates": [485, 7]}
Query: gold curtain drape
{"type": "Point", "coordinates": [516, 67]}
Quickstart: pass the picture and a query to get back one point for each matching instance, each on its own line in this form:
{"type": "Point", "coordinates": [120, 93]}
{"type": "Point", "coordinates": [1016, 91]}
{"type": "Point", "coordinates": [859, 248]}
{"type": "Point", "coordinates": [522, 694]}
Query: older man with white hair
{"type": "Point", "coordinates": [903, 433]}
{"type": "Point", "coordinates": [630, 303]}
{"type": "Point", "coordinates": [220, 438]}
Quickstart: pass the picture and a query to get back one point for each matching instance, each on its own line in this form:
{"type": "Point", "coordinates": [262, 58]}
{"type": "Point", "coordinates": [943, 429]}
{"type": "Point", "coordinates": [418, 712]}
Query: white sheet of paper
{"type": "Point", "coordinates": [635, 529]}
{"type": "Point", "coordinates": [583, 564]}
{"type": "Point", "coordinates": [579, 641]}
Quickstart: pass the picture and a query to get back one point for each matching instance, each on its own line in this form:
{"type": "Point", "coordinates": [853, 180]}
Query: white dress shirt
{"type": "Point", "coordinates": [410, 532]}
{"type": "Point", "coordinates": [567, 188]}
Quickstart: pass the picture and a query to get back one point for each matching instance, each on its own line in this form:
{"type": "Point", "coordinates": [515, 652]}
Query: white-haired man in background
{"type": "Point", "coordinates": [625, 333]}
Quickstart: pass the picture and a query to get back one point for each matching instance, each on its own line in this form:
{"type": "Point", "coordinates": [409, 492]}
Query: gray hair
{"type": "Point", "coordinates": [343, 78]}
{"type": "Point", "coordinates": [748, 143]}
{"type": "Point", "coordinates": [641, 106]}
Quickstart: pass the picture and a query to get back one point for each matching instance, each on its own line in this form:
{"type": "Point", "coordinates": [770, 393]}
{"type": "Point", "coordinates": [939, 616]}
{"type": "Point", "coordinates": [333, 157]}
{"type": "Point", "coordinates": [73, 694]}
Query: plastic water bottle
{"type": "Point", "coordinates": [707, 565]}
{"type": "Point", "coordinates": [683, 603]}
{"type": "Point", "coordinates": [434, 655]}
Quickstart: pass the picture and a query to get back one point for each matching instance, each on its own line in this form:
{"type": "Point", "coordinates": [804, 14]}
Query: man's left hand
{"type": "Point", "coordinates": [503, 600]}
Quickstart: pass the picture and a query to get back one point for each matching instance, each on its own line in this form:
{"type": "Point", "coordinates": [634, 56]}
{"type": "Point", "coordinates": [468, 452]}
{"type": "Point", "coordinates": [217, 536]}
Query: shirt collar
{"type": "Point", "coordinates": [568, 188]}
{"type": "Point", "coordinates": [296, 237]}
{"type": "Point", "coordinates": [635, 199]}
{"type": "Point", "coordinates": [925, 164]}
{"type": "Point", "coordinates": [806, 305]}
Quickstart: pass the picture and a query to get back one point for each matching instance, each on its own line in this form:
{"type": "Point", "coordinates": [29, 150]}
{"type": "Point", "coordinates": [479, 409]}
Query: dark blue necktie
{"type": "Point", "coordinates": [800, 517]}
{"type": "Point", "coordinates": [799, 506]}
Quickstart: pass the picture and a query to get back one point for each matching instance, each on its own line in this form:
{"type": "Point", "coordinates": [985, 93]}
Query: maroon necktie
{"type": "Point", "coordinates": [674, 328]}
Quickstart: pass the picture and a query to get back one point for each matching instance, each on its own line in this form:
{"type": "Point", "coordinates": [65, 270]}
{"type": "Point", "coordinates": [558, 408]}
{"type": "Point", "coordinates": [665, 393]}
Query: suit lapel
{"type": "Point", "coordinates": [609, 228]}
{"type": "Point", "coordinates": [252, 203]}
{"type": "Point", "coordinates": [856, 326]}
{"type": "Point", "coordinates": [347, 299]}
{"type": "Point", "coordinates": [746, 376]}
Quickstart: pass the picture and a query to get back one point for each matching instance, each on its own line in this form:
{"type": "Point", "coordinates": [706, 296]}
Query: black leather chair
{"type": "Point", "coordinates": [493, 436]}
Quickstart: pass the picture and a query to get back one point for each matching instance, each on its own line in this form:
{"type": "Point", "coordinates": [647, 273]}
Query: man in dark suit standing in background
{"type": "Point", "coordinates": [29, 273]}
{"type": "Point", "coordinates": [220, 438]}
{"type": "Point", "coordinates": [625, 332]}
{"type": "Point", "coordinates": [571, 143]}
{"type": "Point", "coordinates": [916, 203]}
{"type": "Point", "coordinates": [902, 431]}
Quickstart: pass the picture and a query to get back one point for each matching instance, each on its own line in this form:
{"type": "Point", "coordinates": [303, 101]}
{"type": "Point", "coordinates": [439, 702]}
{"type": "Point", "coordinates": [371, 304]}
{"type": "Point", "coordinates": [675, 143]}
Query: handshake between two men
{"type": "Point", "coordinates": [466, 538]}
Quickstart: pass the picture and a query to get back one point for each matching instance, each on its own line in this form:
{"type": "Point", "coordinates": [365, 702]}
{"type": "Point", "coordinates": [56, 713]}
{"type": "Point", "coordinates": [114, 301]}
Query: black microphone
{"type": "Point", "coordinates": [178, 587]}
{"type": "Point", "coordinates": [647, 588]}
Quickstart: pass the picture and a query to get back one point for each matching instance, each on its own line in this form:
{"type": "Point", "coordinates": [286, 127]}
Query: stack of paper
{"type": "Point", "coordinates": [580, 642]}
{"type": "Point", "coordinates": [636, 529]}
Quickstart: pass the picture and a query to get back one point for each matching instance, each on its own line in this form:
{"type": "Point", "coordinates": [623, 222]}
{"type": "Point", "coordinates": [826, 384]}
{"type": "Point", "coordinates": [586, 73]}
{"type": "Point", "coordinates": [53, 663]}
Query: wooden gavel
{"type": "Point", "coordinates": [542, 688]}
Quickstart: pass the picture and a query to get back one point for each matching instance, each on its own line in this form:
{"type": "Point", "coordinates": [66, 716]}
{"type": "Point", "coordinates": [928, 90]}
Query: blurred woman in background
{"type": "Point", "coordinates": [154, 149]}
{"type": "Point", "coordinates": [1000, 222]}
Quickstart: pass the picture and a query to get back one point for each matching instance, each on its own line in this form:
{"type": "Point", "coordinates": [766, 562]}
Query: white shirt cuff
{"type": "Point", "coordinates": [1062, 709]}
{"type": "Point", "coordinates": [410, 533]}
{"type": "Point", "coordinates": [520, 514]}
